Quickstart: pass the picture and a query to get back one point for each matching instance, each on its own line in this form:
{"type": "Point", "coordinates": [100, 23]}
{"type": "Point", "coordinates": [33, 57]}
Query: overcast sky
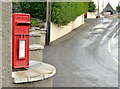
{"type": "Point", "coordinates": [114, 3]}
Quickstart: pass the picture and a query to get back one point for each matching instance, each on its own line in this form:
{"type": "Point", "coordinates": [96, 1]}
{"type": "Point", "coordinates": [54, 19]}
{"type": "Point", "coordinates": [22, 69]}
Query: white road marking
{"type": "Point", "coordinates": [118, 30]}
{"type": "Point", "coordinates": [107, 20]}
{"type": "Point", "coordinates": [109, 44]}
{"type": "Point", "coordinates": [109, 48]}
{"type": "Point", "coordinates": [116, 60]}
{"type": "Point", "coordinates": [99, 30]}
{"type": "Point", "coordinates": [101, 26]}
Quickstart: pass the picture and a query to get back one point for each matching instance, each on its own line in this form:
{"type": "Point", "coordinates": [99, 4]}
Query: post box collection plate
{"type": "Point", "coordinates": [20, 40]}
{"type": "Point", "coordinates": [22, 46]}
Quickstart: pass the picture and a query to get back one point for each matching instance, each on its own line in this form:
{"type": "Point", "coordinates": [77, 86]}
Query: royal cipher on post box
{"type": "Point", "coordinates": [20, 40]}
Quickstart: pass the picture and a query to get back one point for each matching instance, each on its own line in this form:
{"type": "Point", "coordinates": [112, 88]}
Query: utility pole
{"type": "Point", "coordinates": [103, 4]}
{"type": "Point", "coordinates": [48, 22]}
{"type": "Point", "coordinates": [98, 10]}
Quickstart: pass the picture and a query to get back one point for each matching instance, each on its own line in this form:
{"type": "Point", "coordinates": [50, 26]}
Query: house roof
{"type": "Point", "coordinates": [108, 8]}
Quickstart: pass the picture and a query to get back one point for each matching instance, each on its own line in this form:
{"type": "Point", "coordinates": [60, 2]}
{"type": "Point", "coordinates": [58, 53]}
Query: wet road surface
{"type": "Point", "coordinates": [87, 59]}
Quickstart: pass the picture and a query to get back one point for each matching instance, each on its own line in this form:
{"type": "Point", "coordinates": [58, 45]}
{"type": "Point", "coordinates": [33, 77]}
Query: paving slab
{"type": "Point", "coordinates": [35, 72]}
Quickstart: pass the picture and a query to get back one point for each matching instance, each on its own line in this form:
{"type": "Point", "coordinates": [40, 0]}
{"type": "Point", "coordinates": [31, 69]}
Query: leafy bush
{"type": "Point", "coordinates": [35, 9]}
{"type": "Point", "coordinates": [61, 13]}
{"type": "Point", "coordinates": [33, 22]}
{"type": "Point", "coordinates": [118, 9]}
{"type": "Point", "coordinates": [92, 7]}
{"type": "Point", "coordinates": [64, 12]}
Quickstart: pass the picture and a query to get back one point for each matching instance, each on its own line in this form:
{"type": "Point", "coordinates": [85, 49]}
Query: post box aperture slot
{"type": "Point", "coordinates": [22, 23]}
{"type": "Point", "coordinates": [22, 48]}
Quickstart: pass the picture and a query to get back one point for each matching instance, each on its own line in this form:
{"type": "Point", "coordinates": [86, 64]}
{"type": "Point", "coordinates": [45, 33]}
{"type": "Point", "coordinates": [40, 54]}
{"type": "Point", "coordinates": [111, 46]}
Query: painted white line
{"type": "Point", "coordinates": [109, 45]}
{"type": "Point", "coordinates": [116, 60]}
{"type": "Point", "coordinates": [101, 26]}
{"type": "Point", "coordinates": [109, 48]}
{"type": "Point", "coordinates": [118, 30]}
{"type": "Point", "coordinates": [113, 36]}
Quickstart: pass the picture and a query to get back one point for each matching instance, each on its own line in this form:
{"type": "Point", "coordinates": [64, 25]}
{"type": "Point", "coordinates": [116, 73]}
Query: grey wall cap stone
{"type": "Point", "coordinates": [43, 29]}
{"type": "Point", "coordinates": [36, 47]}
{"type": "Point", "coordinates": [34, 34]}
{"type": "Point", "coordinates": [36, 71]}
{"type": "Point", "coordinates": [34, 28]}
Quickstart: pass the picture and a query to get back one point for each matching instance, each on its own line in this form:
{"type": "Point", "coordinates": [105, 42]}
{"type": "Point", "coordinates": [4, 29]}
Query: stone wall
{"type": "Point", "coordinates": [59, 31]}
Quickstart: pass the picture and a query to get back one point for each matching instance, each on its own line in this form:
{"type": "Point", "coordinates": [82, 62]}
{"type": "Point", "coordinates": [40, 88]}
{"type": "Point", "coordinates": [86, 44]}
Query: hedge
{"type": "Point", "coordinates": [35, 9]}
{"type": "Point", "coordinates": [65, 12]}
{"type": "Point", "coordinates": [62, 13]}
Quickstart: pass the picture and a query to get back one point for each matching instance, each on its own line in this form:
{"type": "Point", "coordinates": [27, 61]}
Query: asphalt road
{"type": "Point", "coordinates": [86, 59]}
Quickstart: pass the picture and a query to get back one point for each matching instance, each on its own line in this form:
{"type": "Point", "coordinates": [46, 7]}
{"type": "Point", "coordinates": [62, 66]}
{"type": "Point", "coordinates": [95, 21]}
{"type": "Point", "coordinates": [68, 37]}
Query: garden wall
{"type": "Point", "coordinates": [91, 15]}
{"type": "Point", "coordinates": [59, 31]}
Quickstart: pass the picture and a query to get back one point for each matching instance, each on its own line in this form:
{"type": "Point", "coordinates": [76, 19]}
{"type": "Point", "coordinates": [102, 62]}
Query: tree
{"type": "Point", "coordinates": [118, 9]}
{"type": "Point", "coordinates": [35, 9]}
{"type": "Point", "coordinates": [62, 13]}
{"type": "Point", "coordinates": [92, 7]}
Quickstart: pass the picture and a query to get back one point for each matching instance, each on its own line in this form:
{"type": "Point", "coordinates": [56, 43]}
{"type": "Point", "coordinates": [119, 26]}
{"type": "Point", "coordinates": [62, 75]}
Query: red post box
{"type": "Point", "coordinates": [20, 40]}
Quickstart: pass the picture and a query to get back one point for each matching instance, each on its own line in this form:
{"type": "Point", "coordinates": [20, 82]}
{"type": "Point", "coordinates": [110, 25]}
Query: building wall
{"type": "Point", "coordinates": [59, 31]}
{"type": "Point", "coordinates": [91, 15]}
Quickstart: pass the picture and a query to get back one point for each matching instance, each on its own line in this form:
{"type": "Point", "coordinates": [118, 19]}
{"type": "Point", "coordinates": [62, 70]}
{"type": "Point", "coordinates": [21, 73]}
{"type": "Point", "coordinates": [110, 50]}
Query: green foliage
{"type": "Point", "coordinates": [35, 9]}
{"type": "Point", "coordinates": [61, 12]}
{"type": "Point", "coordinates": [92, 7]}
{"type": "Point", "coordinates": [118, 9]}
{"type": "Point", "coordinates": [15, 7]}
{"type": "Point", "coordinates": [64, 12]}
{"type": "Point", "coordinates": [33, 22]}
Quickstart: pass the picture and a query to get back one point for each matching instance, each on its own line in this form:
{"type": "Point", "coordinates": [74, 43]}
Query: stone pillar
{"type": "Point", "coordinates": [43, 36]}
{"type": "Point", "coordinates": [6, 44]}
{"type": "Point", "coordinates": [0, 44]}
{"type": "Point", "coordinates": [83, 18]}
